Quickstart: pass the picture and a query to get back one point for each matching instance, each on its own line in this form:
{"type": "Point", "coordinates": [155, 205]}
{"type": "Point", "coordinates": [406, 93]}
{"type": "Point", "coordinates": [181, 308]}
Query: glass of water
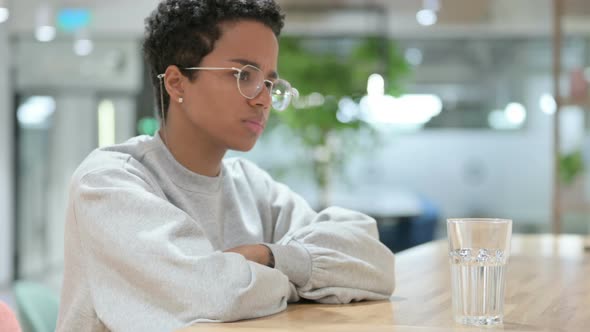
{"type": "Point", "coordinates": [478, 253]}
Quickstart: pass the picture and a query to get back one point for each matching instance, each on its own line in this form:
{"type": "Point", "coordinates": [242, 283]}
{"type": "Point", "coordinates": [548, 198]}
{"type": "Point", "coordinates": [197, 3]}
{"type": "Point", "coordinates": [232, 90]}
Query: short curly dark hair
{"type": "Point", "coordinates": [182, 32]}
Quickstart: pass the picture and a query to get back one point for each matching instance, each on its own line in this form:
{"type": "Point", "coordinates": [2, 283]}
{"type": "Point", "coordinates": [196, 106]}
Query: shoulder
{"type": "Point", "coordinates": [115, 165]}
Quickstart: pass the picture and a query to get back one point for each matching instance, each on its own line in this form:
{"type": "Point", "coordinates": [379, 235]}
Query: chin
{"type": "Point", "coordinates": [243, 146]}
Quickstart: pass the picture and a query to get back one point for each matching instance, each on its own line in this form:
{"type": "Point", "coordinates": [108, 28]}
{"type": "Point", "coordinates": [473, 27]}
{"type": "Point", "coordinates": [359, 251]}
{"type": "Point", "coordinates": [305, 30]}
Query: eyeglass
{"type": "Point", "coordinates": [250, 81]}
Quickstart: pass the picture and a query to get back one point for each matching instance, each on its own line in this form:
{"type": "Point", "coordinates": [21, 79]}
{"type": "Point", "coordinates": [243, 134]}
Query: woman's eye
{"type": "Point", "coordinates": [243, 76]}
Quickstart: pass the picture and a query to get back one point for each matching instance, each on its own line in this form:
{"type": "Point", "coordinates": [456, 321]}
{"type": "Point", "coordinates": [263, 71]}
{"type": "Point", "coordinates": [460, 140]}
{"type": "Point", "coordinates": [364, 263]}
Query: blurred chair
{"type": "Point", "coordinates": [406, 232]}
{"type": "Point", "coordinates": [8, 321]}
{"type": "Point", "coordinates": [37, 306]}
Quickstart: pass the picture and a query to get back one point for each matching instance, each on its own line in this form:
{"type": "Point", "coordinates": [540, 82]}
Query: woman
{"type": "Point", "coordinates": [163, 232]}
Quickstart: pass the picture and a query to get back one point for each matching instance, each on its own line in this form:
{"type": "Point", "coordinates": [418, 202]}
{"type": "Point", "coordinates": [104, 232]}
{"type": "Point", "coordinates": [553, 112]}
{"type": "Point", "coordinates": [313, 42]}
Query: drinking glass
{"type": "Point", "coordinates": [478, 254]}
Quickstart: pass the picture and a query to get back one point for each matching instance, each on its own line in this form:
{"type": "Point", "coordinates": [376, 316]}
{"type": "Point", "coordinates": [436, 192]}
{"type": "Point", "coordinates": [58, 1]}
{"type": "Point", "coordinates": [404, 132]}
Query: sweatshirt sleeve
{"type": "Point", "coordinates": [144, 257]}
{"type": "Point", "coordinates": [334, 256]}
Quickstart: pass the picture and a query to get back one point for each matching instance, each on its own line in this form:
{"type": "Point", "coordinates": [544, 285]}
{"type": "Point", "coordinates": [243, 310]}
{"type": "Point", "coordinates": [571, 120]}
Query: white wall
{"type": "Point", "coordinates": [75, 118]}
{"type": "Point", "coordinates": [515, 167]}
{"type": "Point", "coordinates": [125, 119]}
{"type": "Point", "coordinates": [113, 71]}
{"type": "Point", "coordinates": [6, 161]}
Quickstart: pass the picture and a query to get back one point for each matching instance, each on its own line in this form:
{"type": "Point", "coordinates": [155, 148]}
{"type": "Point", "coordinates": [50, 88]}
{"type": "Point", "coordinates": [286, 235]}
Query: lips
{"type": "Point", "coordinates": [256, 126]}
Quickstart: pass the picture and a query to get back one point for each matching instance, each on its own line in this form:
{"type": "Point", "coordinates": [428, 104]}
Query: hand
{"type": "Point", "coordinates": [258, 253]}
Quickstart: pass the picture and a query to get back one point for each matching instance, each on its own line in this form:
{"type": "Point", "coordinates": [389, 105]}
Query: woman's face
{"type": "Point", "coordinates": [212, 102]}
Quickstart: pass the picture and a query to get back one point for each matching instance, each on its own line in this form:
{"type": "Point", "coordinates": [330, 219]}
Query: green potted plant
{"type": "Point", "coordinates": [324, 71]}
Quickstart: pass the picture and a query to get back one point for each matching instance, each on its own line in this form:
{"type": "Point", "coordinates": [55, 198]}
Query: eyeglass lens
{"type": "Point", "coordinates": [251, 82]}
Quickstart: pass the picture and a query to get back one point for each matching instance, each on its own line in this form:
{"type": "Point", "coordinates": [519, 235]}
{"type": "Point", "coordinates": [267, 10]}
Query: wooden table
{"type": "Point", "coordinates": [548, 289]}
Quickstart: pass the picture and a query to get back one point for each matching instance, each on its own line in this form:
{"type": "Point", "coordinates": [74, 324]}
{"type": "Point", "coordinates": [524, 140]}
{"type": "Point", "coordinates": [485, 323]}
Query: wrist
{"type": "Point", "coordinates": [270, 257]}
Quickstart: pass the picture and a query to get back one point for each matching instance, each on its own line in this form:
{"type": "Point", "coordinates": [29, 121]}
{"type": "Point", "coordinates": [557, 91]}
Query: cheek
{"type": "Point", "coordinates": [213, 104]}
{"type": "Point", "coordinates": [212, 91]}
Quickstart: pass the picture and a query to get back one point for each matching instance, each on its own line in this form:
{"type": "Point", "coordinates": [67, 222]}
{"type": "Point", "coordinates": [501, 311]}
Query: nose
{"type": "Point", "coordinates": [263, 99]}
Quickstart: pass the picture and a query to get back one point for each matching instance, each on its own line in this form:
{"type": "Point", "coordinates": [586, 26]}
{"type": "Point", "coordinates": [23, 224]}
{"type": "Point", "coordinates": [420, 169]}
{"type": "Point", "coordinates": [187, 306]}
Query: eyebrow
{"type": "Point", "coordinates": [272, 74]}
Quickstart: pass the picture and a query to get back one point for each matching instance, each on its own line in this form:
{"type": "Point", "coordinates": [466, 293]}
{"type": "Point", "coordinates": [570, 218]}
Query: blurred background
{"type": "Point", "coordinates": [410, 111]}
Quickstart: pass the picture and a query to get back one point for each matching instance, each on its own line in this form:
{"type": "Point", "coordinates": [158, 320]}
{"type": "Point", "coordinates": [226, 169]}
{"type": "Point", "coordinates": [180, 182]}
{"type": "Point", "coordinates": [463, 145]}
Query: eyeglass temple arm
{"type": "Point", "coordinates": [160, 76]}
{"type": "Point", "coordinates": [212, 68]}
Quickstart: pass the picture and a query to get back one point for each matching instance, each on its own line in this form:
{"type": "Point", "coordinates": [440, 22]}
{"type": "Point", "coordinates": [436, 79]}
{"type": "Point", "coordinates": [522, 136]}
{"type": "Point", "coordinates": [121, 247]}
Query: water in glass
{"type": "Point", "coordinates": [477, 276]}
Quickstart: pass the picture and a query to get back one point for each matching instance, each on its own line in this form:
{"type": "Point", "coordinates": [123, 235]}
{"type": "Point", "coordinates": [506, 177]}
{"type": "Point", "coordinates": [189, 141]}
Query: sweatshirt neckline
{"type": "Point", "coordinates": [184, 177]}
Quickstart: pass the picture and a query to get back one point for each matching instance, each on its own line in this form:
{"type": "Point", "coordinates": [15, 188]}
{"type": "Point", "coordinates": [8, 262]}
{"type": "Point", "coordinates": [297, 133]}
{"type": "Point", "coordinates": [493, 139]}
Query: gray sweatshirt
{"type": "Point", "coordinates": [144, 241]}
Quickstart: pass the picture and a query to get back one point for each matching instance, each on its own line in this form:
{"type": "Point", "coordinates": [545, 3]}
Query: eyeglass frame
{"type": "Point", "coordinates": [237, 75]}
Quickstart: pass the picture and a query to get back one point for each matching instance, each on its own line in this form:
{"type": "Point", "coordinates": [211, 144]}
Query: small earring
{"type": "Point", "coordinates": [180, 100]}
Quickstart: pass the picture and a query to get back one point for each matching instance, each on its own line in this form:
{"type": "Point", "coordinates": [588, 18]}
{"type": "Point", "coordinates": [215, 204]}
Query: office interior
{"type": "Point", "coordinates": [437, 109]}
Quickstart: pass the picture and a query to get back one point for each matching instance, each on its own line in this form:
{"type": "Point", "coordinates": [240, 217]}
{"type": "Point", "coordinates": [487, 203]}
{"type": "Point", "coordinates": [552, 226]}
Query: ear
{"type": "Point", "coordinates": [174, 82]}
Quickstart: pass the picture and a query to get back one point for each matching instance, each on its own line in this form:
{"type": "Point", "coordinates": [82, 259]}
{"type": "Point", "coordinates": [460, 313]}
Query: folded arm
{"type": "Point", "coordinates": [334, 256]}
{"type": "Point", "coordinates": [144, 255]}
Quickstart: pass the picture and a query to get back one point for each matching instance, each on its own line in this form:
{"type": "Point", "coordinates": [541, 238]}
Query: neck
{"type": "Point", "coordinates": [190, 148]}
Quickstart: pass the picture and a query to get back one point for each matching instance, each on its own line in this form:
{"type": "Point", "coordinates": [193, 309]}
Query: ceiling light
{"type": "Point", "coordinates": [83, 47]}
{"type": "Point", "coordinates": [426, 17]}
{"type": "Point", "coordinates": [547, 104]}
{"type": "Point", "coordinates": [515, 113]}
{"type": "Point", "coordinates": [45, 33]}
{"type": "Point", "coordinates": [4, 14]}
